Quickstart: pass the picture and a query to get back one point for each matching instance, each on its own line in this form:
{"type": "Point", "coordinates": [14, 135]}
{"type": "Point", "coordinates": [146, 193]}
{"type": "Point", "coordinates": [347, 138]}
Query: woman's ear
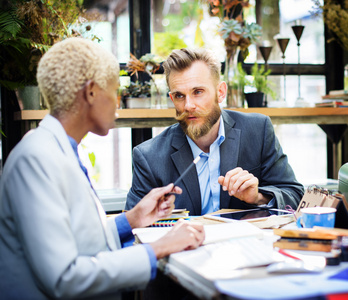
{"type": "Point", "coordinates": [90, 91]}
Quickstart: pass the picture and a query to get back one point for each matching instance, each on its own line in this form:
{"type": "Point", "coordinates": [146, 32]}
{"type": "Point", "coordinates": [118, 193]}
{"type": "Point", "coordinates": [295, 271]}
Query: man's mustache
{"type": "Point", "coordinates": [184, 115]}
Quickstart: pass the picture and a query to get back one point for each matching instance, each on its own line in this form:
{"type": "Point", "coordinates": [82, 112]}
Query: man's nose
{"type": "Point", "coordinates": [189, 103]}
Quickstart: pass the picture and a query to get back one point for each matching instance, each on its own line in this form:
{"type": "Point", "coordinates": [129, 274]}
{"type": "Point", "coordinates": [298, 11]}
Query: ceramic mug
{"type": "Point", "coordinates": [317, 216]}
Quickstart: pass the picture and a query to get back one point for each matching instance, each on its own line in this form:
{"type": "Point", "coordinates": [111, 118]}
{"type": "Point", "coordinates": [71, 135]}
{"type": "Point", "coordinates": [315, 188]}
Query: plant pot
{"type": "Point", "coordinates": [29, 97]}
{"type": "Point", "coordinates": [138, 103]}
{"type": "Point", "coordinates": [255, 99]}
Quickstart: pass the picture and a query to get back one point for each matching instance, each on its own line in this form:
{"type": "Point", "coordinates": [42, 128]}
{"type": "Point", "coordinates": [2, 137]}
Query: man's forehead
{"type": "Point", "coordinates": [182, 89]}
{"type": "Point", "coordinates": [196, 76]}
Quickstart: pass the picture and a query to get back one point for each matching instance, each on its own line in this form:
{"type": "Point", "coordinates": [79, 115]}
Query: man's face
{"type": "Point", "coordinates": [196, 99]}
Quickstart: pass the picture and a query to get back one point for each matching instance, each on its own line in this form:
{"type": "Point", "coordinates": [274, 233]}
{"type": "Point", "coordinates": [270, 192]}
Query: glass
{"type": "Point", "coordinates": [159, 92]}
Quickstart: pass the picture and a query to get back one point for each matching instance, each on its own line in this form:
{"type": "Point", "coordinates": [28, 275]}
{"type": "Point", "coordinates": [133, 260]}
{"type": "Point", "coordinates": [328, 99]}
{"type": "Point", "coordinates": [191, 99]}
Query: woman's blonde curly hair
{"type": "Point", "coordinates": [67, 66]}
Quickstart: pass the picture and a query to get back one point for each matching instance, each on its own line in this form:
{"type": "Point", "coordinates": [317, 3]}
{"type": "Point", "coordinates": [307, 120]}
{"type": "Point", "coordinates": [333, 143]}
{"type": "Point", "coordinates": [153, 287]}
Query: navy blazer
{"type": "Point", "coordinates": [250, 143]}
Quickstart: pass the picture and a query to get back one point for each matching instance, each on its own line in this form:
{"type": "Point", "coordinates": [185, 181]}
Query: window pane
{"type": "Point", "coordinates": [122, 45]}
{"type": "Point", "coordinates": [298, 12]}
{"type": "Point", "coordinates": [177, 24]}
{"type": "Point", "coordinates": [108, 159]}
{"type": "Point", "coordinates": [312, 88]}
{"type": "Point", "coordinates": [186, 23]}
{"type": "Point", "coordinates": [305, 146]}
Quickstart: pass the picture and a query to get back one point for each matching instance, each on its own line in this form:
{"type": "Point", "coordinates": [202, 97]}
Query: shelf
{"type": "Point", "coordinates": [147, 118]}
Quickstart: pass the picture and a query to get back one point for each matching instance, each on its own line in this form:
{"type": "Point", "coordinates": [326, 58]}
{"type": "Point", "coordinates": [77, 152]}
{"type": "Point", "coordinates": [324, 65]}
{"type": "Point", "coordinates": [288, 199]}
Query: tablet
{"type": "Point", "coordinates": [256, 214]}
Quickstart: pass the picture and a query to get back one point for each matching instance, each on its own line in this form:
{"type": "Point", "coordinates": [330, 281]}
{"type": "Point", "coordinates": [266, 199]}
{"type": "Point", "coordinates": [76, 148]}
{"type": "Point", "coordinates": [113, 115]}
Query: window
{"type": "Point", "coordinates": [176, 24]}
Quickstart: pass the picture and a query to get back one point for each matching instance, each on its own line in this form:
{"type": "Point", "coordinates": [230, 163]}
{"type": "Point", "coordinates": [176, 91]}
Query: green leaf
{"type": "Point", "coordinates": [123, 73]}
{"type": "Point", "coordinates": [10, 25]}
{"type": "Point", "coordinates": [91, 157]}
{"type": "Point", "coordinates": [2, 133]}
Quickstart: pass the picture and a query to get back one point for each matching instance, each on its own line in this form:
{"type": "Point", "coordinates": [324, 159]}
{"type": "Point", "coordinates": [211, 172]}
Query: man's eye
{"type": "Point", "coordinates": [178, 96]}
{"type": "Point", "coordinates": [198, 92]}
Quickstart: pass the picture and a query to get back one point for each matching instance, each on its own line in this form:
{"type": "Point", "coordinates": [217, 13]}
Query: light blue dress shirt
{"type": "Point", "coordinates": [127, 239]}
{"type": "Point", "coordinates": [208, 171]}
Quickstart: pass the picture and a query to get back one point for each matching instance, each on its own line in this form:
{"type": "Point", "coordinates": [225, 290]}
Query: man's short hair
{"type": "Point", "coordinates": [180, 60]}
{"type": "Point", "coordinates": [67, 66]}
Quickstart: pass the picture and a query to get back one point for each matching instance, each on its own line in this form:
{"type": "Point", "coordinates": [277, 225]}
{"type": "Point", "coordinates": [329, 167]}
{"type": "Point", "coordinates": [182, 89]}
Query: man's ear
{"type": "Point", "coordinates": [90, 91]}
{"type": "Point", "coordinates": [222, 91]}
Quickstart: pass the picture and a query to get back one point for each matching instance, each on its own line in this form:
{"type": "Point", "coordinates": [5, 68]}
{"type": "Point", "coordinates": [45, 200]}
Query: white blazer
{"type": "Point", "coordinates": [54, 241]}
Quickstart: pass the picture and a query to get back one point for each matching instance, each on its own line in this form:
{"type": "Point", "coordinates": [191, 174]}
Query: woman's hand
{"type": "Point", "coordinates": [183, 236]}
{"type": "Point", "coordinates": [157, 204]}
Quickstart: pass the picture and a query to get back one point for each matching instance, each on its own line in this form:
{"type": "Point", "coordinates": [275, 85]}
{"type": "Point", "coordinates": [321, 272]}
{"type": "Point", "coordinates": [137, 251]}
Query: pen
{"type": "Point", "coordinates": [187, 170]}
{"type": "Point", "coordinates": [282, 251]}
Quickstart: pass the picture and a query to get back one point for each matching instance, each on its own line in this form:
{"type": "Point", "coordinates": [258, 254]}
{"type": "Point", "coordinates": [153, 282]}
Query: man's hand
{"type": "Point", "coordinates": [244, 186]}
{"type": "Point", "coordinates": [183, 236]}
{"type": "Point", "coordinates": [157, 204]}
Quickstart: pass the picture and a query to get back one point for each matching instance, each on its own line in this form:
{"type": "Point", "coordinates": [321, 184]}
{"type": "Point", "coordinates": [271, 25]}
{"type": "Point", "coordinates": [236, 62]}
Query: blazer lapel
{"type": "Point", "coordinates": [53, 125]}
{"type": "Point", "coordinates": [229, 152]}
{"type": "Point", "coordinates": [182, 158]}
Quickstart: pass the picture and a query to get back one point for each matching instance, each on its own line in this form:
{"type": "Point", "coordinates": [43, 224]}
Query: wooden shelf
{"type": "Point", "coordinates": [147, 118]}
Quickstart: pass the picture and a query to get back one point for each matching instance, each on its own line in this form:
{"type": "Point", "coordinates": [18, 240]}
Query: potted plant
{"type": "Point", "coordinates": [237, 35]}
{"type": "Point", "coordinates": [335, 16]}
{"type": "Point", "coordinates": [260, 84]}
{"type": "Point", "coordinates": [144, 70]}
{"type": "Point", "coordinates": [27, 30]}
{"type": "Point", "coordinates": [137, 95]}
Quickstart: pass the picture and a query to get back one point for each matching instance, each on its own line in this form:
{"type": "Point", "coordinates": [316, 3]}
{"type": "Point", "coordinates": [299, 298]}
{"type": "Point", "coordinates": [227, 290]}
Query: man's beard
{"type": "Point", "coordinates": [195, 131]}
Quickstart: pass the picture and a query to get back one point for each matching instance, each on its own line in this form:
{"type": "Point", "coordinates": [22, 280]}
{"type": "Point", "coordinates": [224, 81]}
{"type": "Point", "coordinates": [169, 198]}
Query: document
{"type": "Point", "coordinates": [213, 233]}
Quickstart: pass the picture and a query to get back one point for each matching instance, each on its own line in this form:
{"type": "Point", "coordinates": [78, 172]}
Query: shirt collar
{"type": "Point", "coordinates": [219, 140]}
{"type": "Point", "coordinates": [73, 145]}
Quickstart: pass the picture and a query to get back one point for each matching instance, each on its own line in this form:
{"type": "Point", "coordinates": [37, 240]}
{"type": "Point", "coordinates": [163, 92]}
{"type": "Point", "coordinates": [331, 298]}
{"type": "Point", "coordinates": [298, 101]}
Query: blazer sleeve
{"type": "Point", "coordinates": [277, 176]}
{"type": "Point", "coordinates": [39, 198]}
{"type": "Point", "coordinates": [143, 179]}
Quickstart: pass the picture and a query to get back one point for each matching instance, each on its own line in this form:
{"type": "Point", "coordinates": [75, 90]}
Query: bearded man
{"type": "Point", "coordinates": [242, 164]}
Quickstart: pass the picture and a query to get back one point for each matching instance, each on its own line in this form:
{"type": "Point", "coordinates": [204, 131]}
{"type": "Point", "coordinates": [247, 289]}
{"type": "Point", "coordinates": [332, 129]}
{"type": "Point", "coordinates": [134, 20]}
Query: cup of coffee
{"type": "Point", "coordinates": [317, 216]}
